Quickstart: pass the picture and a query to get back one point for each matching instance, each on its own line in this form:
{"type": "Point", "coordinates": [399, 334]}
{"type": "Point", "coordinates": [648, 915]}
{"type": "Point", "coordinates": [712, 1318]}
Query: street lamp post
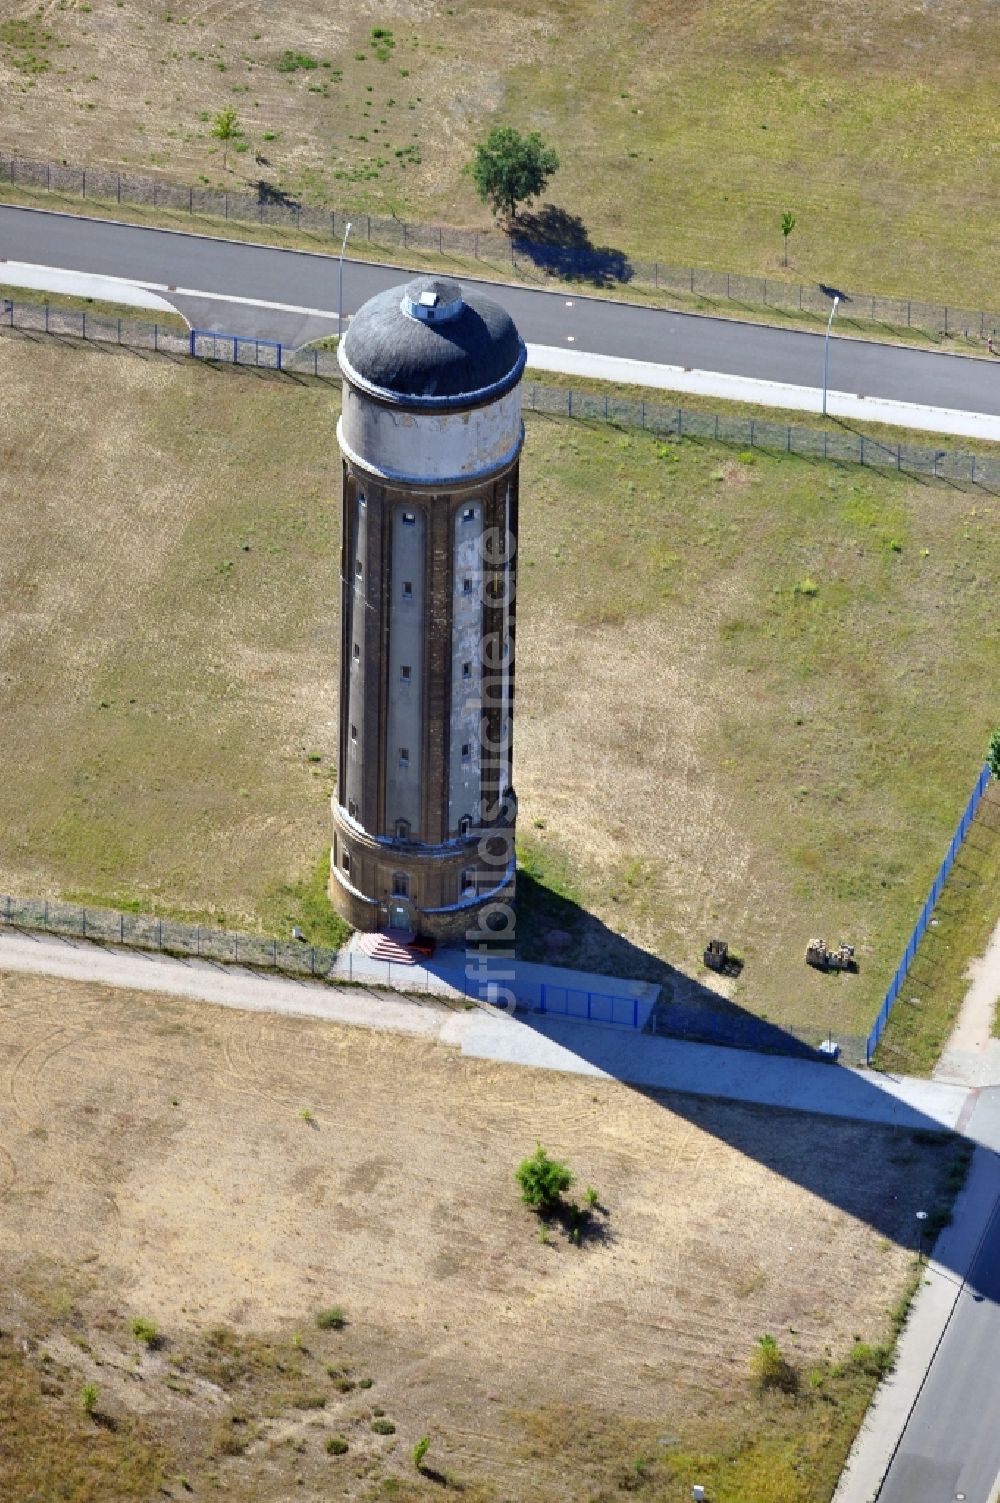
{"type": "Point", "coordinates": [340, 293]}
{"type": "Point", "coordinates": [826, 350]}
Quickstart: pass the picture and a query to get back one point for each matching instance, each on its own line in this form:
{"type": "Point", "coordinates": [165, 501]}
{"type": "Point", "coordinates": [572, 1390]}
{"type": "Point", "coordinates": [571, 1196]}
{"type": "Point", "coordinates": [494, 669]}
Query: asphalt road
{"type": "Point", "coordinates": [306, 283]}
{"type": "Point", "coordinates": [950, 1448]}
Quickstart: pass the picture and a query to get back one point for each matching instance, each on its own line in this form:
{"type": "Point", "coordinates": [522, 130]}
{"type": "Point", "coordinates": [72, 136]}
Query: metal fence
{"type": "Point", "coordinates": [667, 420]}
{"type": "Point", "coordinates": [170, 936]}
{"type": "Point", "coordinates": [549, 253]}
{"type": "Point", "coordinates": [919, 929]}
{"type": "Point", "coordinates": [733, 1028]}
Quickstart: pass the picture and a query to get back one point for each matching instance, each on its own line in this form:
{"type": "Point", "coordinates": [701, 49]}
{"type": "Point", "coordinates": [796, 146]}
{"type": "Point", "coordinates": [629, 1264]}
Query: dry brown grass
{"type": "Point", "coordinates": [154, 1163]}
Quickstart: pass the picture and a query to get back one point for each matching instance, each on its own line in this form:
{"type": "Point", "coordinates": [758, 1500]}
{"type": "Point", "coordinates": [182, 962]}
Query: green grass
{"type": "Point", "coordinates": [750, 758]}
{"type": "Point", "coordinates": [964, 918]}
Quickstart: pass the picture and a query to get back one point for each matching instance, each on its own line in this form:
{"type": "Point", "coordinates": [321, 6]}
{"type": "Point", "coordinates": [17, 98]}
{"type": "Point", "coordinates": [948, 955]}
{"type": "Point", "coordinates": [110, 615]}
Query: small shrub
{"type": "Point", "coordinates": [378, 1413]}
{"type": "Point", "coordinates": [420, 1450]}
{"type": "Point", "coordinates": [307, 1114]}
{"type": "Point", "coordinates": [807, 587]}
{"type": "Point", "coordinates": [383, 1427]}
{"type": "Point", "coordinates": [876, 1361]}
{"type": "Point", "coordinates": [333, 1319]}
{"type": "Point", "coordinates": [366, 1382]}
{"type": "Point", "coordinates": [993, 753]}
{"type": "Point", "coordinates": [291, 61]}
{"type": "Point", "coordinates": [336, 1445]}
{"type": "Point", "coordinates": [590, 1196]}
{"type": "Point", "coordinates": [89, 1397]}
{"type": "Point", "coordinates": [147, 1332]}
{"type": "Point", "coordinates": [542, 1180]}
{"type": "Point", "coordinates": [768, 1367]}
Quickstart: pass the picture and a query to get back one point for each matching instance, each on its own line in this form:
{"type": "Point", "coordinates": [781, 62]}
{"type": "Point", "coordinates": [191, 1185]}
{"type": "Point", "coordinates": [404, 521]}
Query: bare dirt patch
{"type": "Point", "coordinates": [158, 1166]}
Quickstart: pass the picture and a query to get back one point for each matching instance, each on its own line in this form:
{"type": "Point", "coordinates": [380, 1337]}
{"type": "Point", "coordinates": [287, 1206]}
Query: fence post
{"type": "Point", "coordinates": [946, 319]}
{"type": "Point", "coordinates": [753, 433]}
{"type": "Point", "coordinates": [236, 945]}
{"type": "Point", "coordinates": [83, 322]}
{"type": "Point", "coordinates": [656, 273]}
{"type": "Point", "coordinates": [84, 182]}
{"type": "Point", "coordinates": [312, 960]}
{"type": "Point", "coordinates": [973, 469]}
{"type": "Point", "coordinates": [83, 922]}
{"type": "Point", "coordinates": [197, 939]}
{"type": "Point", "coordinates": [569, 401]}
{"type": "Point", "coordinates": [121, 928]}
{"type": "Point", "coordinates": [898, 458]}
{"type": "Point", "coordinates": [159, 934]}
{"type": "Point", "coordinates": [274, 953]}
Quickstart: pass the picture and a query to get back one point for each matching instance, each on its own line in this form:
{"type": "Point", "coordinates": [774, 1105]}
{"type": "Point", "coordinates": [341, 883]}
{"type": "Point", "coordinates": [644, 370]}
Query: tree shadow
{"type": "Point", "coordinates": [272, 196]}
{"type": "Point", "coordinates": [558, 242]}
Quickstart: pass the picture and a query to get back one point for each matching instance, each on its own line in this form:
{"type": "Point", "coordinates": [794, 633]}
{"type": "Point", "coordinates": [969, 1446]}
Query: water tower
{"type": "Point", "coordinates": [430, 437]}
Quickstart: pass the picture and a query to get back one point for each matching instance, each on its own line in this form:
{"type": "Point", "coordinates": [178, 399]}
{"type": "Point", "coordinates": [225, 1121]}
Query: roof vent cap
{"type": "Point", "coordinates": [433, 300]}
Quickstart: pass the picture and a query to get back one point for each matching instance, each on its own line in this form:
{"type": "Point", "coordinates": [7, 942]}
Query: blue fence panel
{"type": "Point", "coordinates": [236, 349]}
{"type": "Point", "coordinates": [595, 1007]}
{"type": "Point", "coordinates": [920, 928]}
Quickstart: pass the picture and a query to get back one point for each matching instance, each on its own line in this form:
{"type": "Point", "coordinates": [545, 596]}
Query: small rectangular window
{"type": "Point", "coordinates": [354, 733]}
{"type": "Point", "coordinates": [466, 670]}
{"type": "Point", "coordinates": [409, 519]}
{"type": "Point", "coordinates": [404, 673]}
{"type": "Point", "coordinates": [357, 568]}
{"type": "Point", "coordinates": [352, 807]}
{"type": "Point", "coordinates": [345, 861]}
{"type": "Point", "coordinates": [467, 882]}
{"type": "Point", "coordinates": [466, 750]}
{"type": "Point", "coordinates": [362, 501]}
{"type": "Point", "coordinates": [400, 885]}
{"type": "Point", "coordinates": [357, 653]}
{"type": "Point", "coordinates": [404, 756]}
{"type": "Point", "coordinates": [407, 589]}
{"type": "Point", "coordinates": [469, 514]}
{"type": "Point", "coordinates": [466, 586]}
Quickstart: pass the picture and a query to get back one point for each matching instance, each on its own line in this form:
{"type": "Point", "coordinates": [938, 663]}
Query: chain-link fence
{"type": "Point", "coordinates": [549, 250]}
{"type": "Point", "coordinates": [844, 446]}
{"type": "Point", "coordinates": [144, 932]}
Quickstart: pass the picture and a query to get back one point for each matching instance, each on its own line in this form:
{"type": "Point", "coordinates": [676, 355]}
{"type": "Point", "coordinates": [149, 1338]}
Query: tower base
{"type": "Point", "coordinates": [488, 916]}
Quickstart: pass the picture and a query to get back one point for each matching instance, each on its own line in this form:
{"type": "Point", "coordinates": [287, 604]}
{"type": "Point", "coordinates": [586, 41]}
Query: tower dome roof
{"type": "Point", "coordinates": [432, 344]}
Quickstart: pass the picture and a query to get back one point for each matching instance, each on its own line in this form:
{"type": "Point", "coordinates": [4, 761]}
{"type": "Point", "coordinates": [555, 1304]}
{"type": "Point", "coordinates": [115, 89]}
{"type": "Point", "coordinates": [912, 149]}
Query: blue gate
{"type": "Point", "coordinates": [237, 349]}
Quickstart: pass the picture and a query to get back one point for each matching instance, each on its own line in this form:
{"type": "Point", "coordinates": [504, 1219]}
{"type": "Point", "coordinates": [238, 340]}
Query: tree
{"type": "Point", "coordinates": [225, 128]}
{"type": "Point", "coordinates": [420, 1450]}
{"type": "Point", "coordinates": [509, 168]}
{"type": "Point", "coordinates": [542, 1180]}
{"type": "Point", "coordinates": [993, 755]}
{"type": "Point", "coordinates": [787, 226]}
